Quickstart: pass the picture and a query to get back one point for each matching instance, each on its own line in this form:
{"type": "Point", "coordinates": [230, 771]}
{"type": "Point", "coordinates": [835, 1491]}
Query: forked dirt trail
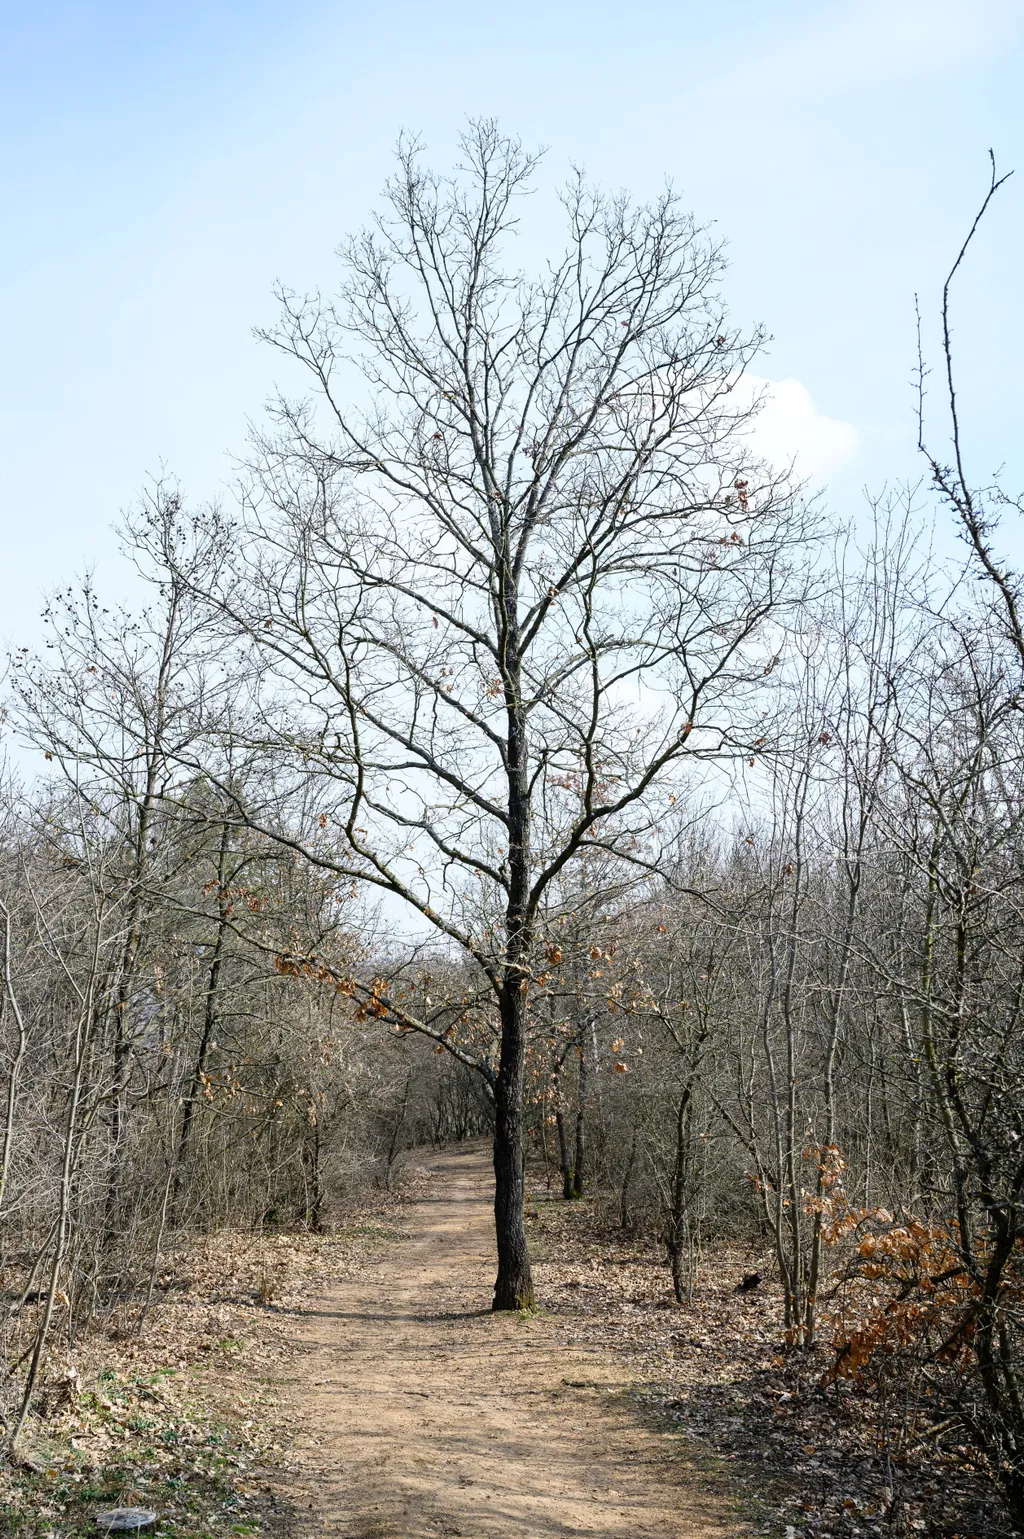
{"type": "Point", "coordinates": [419, 1413]}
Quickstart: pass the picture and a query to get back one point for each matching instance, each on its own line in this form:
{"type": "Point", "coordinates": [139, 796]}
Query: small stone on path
{"type": "Point", "coordinates": [125, 1519]}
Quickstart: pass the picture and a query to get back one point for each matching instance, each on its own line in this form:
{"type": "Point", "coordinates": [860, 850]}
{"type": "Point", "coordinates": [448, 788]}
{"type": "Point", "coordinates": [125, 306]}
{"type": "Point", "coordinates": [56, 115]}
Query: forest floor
{"type": "Point", "coordinates": [357, 1386]}
{"type": "Point", "coordinates": [419, 1413]}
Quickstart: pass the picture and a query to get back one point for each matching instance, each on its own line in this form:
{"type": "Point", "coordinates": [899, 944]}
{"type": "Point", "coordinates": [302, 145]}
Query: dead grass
{"type": "Point", "coordinates": [181, 1418]}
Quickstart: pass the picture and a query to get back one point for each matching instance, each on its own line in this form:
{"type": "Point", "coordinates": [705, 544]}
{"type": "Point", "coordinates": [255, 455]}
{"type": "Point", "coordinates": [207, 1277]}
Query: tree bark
{"type": "Point", "coordinates": [625, 1220]}
{"type": "Point", "coordinates": [209, 1025]}
{"type": "Point", "coordinates": [513, 1288]}
{"type": "Point", "coordinates": [580, 1160]}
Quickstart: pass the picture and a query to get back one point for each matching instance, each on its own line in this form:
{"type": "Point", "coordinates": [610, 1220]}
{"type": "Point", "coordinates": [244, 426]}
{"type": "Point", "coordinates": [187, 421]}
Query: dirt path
{"type": "Point", "coordinates": [418, 1413]}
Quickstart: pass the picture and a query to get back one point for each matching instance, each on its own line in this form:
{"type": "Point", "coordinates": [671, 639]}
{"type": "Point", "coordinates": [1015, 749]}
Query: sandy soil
{"type": "Point", "coordinates": [419, 1413]}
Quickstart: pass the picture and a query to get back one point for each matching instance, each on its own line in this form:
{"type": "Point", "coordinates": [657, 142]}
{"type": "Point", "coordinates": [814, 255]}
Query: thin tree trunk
{"type": "Point", "coordinates": [155, 1265]}
{"type": "Point", "coordinates": [209, 1024]}
{"type": "Point", "coordinates": [10, 997]}
{"type": "Point", "coordinates": [63, 1226]}
{"type": "Point", "coordinates": [579, 1162]}
{"type": "Point", "coordinates": [677, 1220]}
{"type": "Point", "coordinates": [564, 1162]}
{"type": "Point", "coordinates": [627, 1179]}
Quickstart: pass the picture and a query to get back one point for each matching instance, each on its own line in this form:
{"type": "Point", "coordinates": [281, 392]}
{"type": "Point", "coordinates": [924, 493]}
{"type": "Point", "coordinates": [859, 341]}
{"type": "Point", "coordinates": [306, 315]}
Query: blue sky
{"type": "Point", "coordinates": [161, 166]}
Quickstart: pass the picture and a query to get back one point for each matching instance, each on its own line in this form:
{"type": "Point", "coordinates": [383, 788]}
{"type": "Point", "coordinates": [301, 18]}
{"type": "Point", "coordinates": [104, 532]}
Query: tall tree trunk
{"type": "Point", "coordinates": [513, 1288]}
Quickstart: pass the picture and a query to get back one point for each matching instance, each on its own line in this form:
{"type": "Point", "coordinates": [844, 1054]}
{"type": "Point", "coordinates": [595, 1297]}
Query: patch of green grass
{"type": "Point", "coordinates": [136, 1441]}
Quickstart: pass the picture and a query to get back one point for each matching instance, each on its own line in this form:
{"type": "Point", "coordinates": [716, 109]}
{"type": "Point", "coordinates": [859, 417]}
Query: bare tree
{"type": "Point", "coordinates": [108, 708]}
{"type": "Point", "coordinates": [499, 607]}
{"type": "Point", "coordinates": [976, 509]}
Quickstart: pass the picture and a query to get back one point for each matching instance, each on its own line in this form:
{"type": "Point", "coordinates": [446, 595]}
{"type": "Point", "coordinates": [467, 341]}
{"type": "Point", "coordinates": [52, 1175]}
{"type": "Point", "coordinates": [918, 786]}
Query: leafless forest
{"type": "Point", "coordinates": [517, 755]}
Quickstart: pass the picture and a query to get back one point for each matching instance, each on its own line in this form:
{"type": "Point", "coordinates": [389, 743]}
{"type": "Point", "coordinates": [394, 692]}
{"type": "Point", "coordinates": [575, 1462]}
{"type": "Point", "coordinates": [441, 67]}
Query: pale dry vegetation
{"type": "Point", "coordinates": [525, 759]}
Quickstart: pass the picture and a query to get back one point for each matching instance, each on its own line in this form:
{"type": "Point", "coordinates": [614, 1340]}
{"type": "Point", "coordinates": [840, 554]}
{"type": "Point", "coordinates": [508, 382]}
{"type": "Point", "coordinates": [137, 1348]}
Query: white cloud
{"type": "Point", "coordinates": [790, 429]}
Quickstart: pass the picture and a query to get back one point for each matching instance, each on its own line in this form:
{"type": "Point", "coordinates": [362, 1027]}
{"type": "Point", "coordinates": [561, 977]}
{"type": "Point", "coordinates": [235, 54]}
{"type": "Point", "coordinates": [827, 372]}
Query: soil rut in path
{"type": "Point", "coordinates": [419, 1413]}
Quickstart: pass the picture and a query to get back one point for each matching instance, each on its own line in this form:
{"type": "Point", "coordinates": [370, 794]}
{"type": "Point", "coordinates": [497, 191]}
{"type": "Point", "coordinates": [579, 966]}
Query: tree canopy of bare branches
{"type": "Point", "coordinates": [501, 603]}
